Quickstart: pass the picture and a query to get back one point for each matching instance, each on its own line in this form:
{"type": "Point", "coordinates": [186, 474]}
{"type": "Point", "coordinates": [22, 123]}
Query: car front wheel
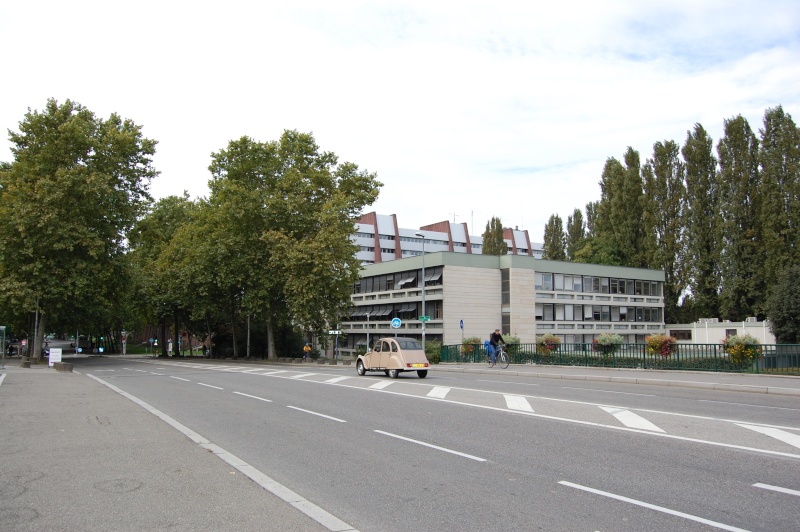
{"type": "Point", "coordinates": [360, 369]}
{"type": "Point", "coordinates": [422, 373]}
{"type": "Point", "coordinates": [393, 373]}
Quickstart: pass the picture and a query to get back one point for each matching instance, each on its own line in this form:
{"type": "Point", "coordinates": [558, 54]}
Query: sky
{"type": "Point", "coordinates": [465, 110]}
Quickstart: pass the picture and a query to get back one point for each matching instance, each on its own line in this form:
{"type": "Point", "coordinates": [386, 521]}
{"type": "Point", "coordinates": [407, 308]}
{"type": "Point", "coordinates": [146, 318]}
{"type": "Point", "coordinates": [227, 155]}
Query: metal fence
{"type": "Point", "coordinates": [780, 359]}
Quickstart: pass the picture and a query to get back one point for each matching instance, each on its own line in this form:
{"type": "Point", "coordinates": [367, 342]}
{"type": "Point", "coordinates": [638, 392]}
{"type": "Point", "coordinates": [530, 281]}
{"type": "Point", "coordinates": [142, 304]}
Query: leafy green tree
{"type": "Point", "coordinates": [741, 259]}
{"type": "Point", "coordinates": [702, 224]}
{"type": "Point", "coordinates": [283, 213]}
{"type": "Point", "coordinates": [576, 233]}
{"type": "Point", "coordinates": [665, 200]}
{"type": "Point", "coordinates": [493, 240]}
{"type": "Point", "coordinates": [554, 241]}
{"type": "Point", "coordinates": [67, 201]}
{"type": "Point", "coordinates": [779, 194]}
{"type": "Point", "coordinates": [619, 214]}
{"type": "Point", "coordinates": [783, 307]}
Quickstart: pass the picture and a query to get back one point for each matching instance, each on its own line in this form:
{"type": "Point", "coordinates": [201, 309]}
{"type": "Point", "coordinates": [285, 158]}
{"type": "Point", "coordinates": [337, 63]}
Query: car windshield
{"type": "Point", "coordinates": [410, 344]}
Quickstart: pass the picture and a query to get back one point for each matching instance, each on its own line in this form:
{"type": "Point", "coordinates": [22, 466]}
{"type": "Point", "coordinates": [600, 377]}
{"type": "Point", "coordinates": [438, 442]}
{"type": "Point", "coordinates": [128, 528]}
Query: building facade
{"type": "Point", "coordinates": [470, 295]}
{"type": "Point", "coordinates": [714, 331]}
{"type": "Point", "coordinates": [380, 239]}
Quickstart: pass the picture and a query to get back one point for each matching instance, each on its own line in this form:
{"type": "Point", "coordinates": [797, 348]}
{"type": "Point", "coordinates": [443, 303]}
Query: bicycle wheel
{"type": "Point", "coordinates": [502, 359]}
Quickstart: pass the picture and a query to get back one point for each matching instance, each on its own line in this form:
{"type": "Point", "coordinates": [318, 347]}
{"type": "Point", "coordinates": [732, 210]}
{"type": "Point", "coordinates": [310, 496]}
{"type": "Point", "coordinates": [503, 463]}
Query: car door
{"type": "Point", "coordinates": [385, 353]}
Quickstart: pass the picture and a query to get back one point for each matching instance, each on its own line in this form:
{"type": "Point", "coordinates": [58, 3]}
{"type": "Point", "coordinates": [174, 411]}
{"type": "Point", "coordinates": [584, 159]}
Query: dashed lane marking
{"type": "Point", "coordinates": [629, 419]}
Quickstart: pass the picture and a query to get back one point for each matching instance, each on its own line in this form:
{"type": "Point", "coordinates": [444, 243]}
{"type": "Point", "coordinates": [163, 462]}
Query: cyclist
{"type": "Point", "coordinates": [494, 340]}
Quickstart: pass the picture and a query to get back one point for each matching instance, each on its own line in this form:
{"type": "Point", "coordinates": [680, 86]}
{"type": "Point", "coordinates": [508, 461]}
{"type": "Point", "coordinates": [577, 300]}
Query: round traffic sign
{"type": "Point", "coordinates": [396, 323]}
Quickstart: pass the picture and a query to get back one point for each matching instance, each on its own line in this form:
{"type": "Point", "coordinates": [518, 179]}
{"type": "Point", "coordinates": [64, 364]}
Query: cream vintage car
{"type": "Point", "coordinates": [394, 355]}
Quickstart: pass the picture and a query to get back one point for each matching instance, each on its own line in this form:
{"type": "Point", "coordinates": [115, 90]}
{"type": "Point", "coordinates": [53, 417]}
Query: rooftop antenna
{"type": "Point", "coordinates": [454, 216]}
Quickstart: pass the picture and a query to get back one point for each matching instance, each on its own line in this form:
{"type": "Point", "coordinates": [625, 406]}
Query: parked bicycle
{"type": "Point", "coordinates": [501, 357]}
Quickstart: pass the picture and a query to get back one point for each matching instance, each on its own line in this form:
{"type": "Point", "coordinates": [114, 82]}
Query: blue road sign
{"type": "Point", "coordinates": [461, 324]}
{"type": "Point", "coordinates": [396, 323]}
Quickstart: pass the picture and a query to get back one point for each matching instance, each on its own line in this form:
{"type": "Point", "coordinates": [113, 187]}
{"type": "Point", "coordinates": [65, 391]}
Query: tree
{"type": "Point", "coordinates": [493, 240]}
{"type": "Point", "coordinates": [619, 214]}
{"type": "Point", "coordinates": [741, 259]}
{"type": "Point", "coordinates": [779, 194]}
{"type": "Point", "coordinates": [665, 198]}
{"type": "Point", "coordinates": [67, 201]}
{"type": "Point", "coordinates": [282, 215]}
{"type": "Point", "coordinates": [576, 233]}
{"type": "Point", "coordinates": [783, 307]}
{"type": "Point", "coordinates": [554, 242]}
{"type": "Point", "coordinates": [702, 223]}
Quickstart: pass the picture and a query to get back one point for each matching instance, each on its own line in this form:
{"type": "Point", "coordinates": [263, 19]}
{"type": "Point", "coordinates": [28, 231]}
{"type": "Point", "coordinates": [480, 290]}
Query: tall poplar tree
{"type": "Point", "coordinates": [702, 223]}
{"type": "Point", "coordinates": [576, 233]}
{"type": "Point", "coordinates": [779, 193]}
{"type": "Point", "coordinates": [493, 241]}
{"type": "Point", "coordinates": [742, 258]}
{"type": "Point", "coordinates": [665, 195]}
{"type": "Point", "coordinates": [554, 241]}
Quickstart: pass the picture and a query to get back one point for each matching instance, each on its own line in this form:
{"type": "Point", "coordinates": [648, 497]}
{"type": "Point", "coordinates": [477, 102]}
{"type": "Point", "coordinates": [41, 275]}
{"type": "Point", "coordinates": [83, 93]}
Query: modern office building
{"type": "Point", "coordinates": [470, 295]}
{"type": "Point", "coordinates": [380, 239]}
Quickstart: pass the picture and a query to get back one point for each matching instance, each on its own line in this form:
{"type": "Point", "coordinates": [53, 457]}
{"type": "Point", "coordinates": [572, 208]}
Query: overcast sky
{"type": "Point", "coordinates": [465, 110]}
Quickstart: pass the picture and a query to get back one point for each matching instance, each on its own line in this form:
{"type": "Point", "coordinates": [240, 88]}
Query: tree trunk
{"type": "Point", "coordinates": [176, 349]}
{"type": "Point", "coordinates": [164, 337]}
{"type": "Point", "coordinates": [233, 326]}
{"type": "Point", "coordinates": [271, 355]}
{"type": "Point", "coordinates": [209, 342]}
{"type": "Point", "coordinates": [38, 340]}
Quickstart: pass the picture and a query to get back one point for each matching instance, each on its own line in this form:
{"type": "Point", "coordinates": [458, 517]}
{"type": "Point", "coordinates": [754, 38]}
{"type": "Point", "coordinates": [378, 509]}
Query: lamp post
{"type": "Point", "coordinates": [423, 288]}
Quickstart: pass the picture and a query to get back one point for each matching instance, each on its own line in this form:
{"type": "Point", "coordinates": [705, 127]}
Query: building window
{"type": "Point", "coordinates": [682, 334]}
{"type": "Point", "coordinates": [730, 332]}
{"type": "Point", "coordinates": [505, 286]}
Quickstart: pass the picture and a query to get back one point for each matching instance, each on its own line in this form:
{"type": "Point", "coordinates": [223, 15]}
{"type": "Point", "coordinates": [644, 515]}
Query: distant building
{"type": "Point", "coordinates": [380, 239]}
{"type": "Point", "coordinates": [714, 331]}
{"type": "Point", "coordinates": [470, 295]}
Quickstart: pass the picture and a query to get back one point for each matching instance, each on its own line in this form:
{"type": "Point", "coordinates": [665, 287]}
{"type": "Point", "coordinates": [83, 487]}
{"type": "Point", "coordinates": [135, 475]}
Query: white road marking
{"type": "Point", "coordinates": [104, 370]}
{"type": "Point", "coordinates": [252, 370]}
{"type": "Point", "coordinates": [607, 391]}
{"type": "Point", "coordinates": [210, 386]}
{"type": "Point", "coordinates": [336, 379]}
{"type": "Point", "coordinates": [505, 382]}
{"type": "Point", "coordinates": [782, 435]}
{"type": "Point", "coordinates": [2, 377]}
{"type": "Point", "coordinates": [154, 373]}
{"type": "Point", "coordinates": [629, 419]}
{"type": "Point", "coordinates": [451, 451]}
{"type": "Point", "coordinates": [653, 507]}
{"type": "Point", "coordinates": [302, 375]}
{"type": "Point", "coordinates": [317, 414]}
{"type": "Point", "coordinates": [747, 405]}
{"type": "Point", "coordinates": [380, 385]}
{"type": "Point", "coordinates": [179, 378]}
{"type": "Point", "coordinates": [517, 402]}
{"type": "Point", "coordinates": [254, 397]}
{"type": "Point", "coordinates": [439, 392]}
{"type": "Point", "coordinates": [777, 488]}
{"type": "Point", "coordinates": [326, 519]}
{"type": "Point", "coordinates": [274, 372]}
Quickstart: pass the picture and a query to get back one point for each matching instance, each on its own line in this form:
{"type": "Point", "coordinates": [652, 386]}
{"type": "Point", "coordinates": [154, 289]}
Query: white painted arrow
{"type": "Point", "coordinates": [516, 402]}
{"type": "Point", "coordinates": [778, 434]}
{"type": "Point", "coordinates": [629, 419]}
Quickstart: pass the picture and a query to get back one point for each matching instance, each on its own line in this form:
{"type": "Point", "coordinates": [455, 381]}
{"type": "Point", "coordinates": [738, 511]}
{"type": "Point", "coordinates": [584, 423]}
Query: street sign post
{"type": "Point", "coordinates": [334, 332]}
{"type": "Point", "coordinates": [423, 319]}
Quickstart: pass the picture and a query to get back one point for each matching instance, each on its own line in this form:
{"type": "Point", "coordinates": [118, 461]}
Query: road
{"type": "Point", "coordinates": [491, 451]}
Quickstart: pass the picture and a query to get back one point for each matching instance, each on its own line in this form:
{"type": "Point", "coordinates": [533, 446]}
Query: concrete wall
{"type": "Point", "coordinates": [472, 295]}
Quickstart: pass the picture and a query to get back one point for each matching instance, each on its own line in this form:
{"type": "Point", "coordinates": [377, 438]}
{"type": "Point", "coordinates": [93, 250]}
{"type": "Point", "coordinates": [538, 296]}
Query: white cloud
{"type": "Point", "coordinates": [474, 109]}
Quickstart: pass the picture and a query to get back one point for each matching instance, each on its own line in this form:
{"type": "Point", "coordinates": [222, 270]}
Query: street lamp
{"type": "Point", "coordinates": [423, 288]}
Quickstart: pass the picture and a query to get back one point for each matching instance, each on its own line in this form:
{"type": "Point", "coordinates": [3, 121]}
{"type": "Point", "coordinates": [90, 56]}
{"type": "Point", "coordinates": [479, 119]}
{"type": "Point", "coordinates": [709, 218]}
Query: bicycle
{"type": "Point", "coordinates": [501, 358]}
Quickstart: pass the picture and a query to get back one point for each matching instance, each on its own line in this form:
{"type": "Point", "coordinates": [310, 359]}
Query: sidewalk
{"type": "Point", "coordinates": [75, 455]}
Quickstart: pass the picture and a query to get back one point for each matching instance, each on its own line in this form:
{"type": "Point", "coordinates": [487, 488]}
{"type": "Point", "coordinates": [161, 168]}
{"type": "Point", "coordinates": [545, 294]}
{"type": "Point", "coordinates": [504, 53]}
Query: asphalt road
{"type": "Point", "coordinates": [489, 451]}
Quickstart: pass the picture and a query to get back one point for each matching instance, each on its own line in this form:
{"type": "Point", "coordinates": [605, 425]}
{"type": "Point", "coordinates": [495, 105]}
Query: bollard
{"type": "Point", "coordinates": [25, 362]}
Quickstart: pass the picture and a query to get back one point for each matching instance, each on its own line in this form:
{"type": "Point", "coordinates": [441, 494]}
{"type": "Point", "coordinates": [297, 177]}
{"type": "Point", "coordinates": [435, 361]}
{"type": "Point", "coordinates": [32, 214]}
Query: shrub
{"type": "Point", "coordinates": [547, 344]}
{"type": "Point", "coordinates": [741, 350]}
{"type": "Point", "coordinates": [433, 351]}
{"type": "Point", "coordinates": [469, 345]}
{"type": "Point", "coordinates": [660, 344]}
{"type": "Point", "coordinates": [606, 343]}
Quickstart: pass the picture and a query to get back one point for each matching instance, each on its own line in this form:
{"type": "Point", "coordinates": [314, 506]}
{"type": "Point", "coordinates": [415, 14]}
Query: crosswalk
{"type": "Point", "coordinates": [776, 440]}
